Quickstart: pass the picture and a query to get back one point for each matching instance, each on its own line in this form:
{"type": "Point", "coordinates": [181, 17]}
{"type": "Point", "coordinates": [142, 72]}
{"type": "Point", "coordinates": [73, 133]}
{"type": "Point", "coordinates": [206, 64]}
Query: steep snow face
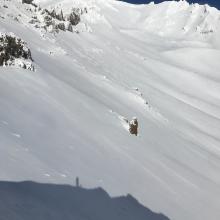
{"type": "Point", "coordinates": [69, 118]}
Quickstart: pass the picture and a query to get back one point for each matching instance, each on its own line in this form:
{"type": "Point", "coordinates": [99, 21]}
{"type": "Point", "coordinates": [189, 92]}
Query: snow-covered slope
{"type": "Point", "coordinates": [159, 63]}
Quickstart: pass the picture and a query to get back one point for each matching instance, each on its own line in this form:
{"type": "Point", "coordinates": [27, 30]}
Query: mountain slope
{"type": "Point", "coordinates": [159, 63]}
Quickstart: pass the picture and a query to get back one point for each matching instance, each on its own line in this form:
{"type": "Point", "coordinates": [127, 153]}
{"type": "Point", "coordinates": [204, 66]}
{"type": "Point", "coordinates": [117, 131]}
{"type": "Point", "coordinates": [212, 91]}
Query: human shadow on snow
{"type": "Point", "coordinates": [36, 201]}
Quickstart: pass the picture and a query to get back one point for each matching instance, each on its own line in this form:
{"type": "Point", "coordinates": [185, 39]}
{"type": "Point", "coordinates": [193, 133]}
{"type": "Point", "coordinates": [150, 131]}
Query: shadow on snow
{"type": "Point", "coordinates": [36, 201]}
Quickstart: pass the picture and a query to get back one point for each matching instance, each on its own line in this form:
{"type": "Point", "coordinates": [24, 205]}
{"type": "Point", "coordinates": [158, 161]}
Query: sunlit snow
{"type": "Point", "coordinates": [158, 62]}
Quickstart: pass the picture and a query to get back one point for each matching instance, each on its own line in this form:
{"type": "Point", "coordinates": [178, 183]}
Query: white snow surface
{"type": "Point", "coordinates": [158, 62]}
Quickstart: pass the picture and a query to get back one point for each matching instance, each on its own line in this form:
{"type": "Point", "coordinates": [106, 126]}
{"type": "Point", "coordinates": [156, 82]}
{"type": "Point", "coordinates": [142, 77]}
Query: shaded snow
{"type": "Point", "coordinates": [29, 200]}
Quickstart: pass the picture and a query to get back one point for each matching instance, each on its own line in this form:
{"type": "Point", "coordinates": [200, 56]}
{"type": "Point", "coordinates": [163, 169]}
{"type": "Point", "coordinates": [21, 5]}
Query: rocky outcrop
{"type": "Point", "coordinates": [55, 20]}
{"type": "Point", "coordinates": [14, 51]}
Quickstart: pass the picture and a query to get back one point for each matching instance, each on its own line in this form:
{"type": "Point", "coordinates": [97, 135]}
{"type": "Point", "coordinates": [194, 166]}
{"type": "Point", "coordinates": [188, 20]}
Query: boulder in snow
{"type": "Point", "coordinates": [133, 126]}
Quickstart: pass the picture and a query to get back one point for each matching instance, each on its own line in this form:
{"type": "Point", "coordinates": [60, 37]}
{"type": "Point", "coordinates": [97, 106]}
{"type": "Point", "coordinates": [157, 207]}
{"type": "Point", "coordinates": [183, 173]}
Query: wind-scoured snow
{"type": "Point", "coordinates": [157, 62]}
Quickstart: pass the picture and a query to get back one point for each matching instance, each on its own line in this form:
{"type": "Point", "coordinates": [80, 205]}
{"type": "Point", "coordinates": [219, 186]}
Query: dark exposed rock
{"type": "Point", "coordinates": [61, 26]}
{"type": "Point", "coordinates": [12, 48]}
{"type": "Point", "coordinates": [53, 13]}
{"type": "Point", "coordinates": [27, 1]}
{"type": "Point", "coordinates": [74, 18]}
{"type": "Point", "coordinates": [60, 16]}
{"type": "Point", "coordinates": [32, 21]}
{"type": "Point", "coordinates": [45, 11]}
{"type": "Point", "coordinates": [133, 126]}
{"type": "Point", "coordinates": [48, 20]}
{"type": "Point", "coordinates": [37, 26]}
{"type": "Point", "coordinates": [70, 27]}
{"type": "Point", "coordinates": [16, 19]}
